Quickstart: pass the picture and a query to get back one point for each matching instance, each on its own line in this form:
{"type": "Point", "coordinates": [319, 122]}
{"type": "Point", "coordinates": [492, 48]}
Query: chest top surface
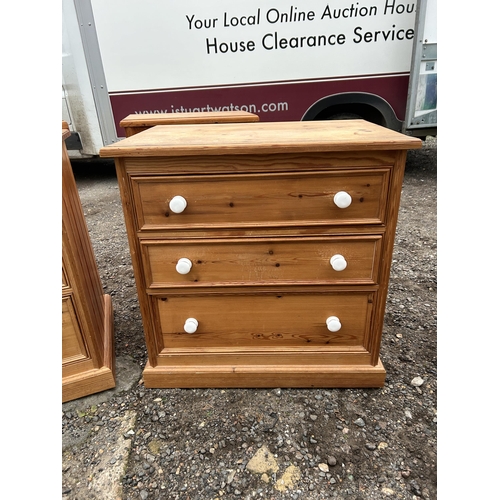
{"type": "Point", "coordinates": [260, 138]}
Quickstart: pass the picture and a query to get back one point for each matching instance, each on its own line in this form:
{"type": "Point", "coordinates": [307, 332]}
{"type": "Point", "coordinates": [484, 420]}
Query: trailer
{"type": "Point", "coordinates": [283, 61]}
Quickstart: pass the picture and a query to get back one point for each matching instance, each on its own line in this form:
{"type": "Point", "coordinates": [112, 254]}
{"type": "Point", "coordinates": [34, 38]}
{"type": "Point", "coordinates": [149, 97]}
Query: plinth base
{"type": "Point", "coordinates": [99, 379]}
{"type": "Point", "coordinates": [348, 376]}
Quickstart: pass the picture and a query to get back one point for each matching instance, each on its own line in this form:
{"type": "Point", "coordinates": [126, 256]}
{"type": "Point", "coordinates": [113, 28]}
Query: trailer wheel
{"type": "Point", "coordinates": [353, 111]}
{"type": "Point", "coordinates": [343, 116]}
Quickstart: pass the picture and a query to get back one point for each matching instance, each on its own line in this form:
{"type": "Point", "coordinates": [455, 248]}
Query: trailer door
{"type": "Point", "coordinates": [421, 114]}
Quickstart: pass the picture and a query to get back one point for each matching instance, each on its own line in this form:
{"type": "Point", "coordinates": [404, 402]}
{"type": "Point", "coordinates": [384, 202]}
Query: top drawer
{"type": "Point", "coordinates": [263, 200]}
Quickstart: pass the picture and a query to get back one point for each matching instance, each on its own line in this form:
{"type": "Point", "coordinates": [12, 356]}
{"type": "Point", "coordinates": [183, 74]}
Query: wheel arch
{"type": "Point", "coordinates": [370, 107]}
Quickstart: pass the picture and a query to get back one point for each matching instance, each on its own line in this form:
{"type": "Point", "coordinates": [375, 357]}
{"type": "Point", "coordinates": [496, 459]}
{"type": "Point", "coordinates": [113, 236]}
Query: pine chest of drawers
{"type": "Point", "coordinates": [88, 359]}
{"type": "Point", "coordinates": [262, 251]}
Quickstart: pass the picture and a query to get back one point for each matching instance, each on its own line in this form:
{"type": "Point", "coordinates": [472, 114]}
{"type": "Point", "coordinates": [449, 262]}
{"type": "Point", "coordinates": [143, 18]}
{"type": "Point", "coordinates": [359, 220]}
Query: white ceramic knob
{"type": "Point", "coordinates": [338, 262]}
{"type": "Point", "coordinates": [183, 266]}
{"type": "Point", "coordinates": [177, 204]}
{"type": "Point", "coordinates": [333, 324]}
{"type": "Point", "coordinates": [342, 199]}
{"type": "Point", "coordinates": [191, 325]}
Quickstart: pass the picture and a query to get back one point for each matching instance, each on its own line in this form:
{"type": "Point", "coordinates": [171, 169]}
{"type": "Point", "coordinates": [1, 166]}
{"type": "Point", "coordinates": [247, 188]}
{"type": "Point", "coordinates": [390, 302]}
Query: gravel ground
{"type": "Point", "coordinates": [201, 444]}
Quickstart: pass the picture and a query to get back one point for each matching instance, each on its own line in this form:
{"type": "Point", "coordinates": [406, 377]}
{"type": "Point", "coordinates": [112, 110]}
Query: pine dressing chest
{"type": "Point", "coordinates": [138, 122]}
{"type": "Point", "coordinates": [262, 251]}
{"type": "Point", "coordinates": [87, 313]}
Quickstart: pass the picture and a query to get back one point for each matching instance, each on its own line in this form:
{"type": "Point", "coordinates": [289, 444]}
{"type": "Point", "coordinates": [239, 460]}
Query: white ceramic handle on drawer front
{"type": "Point", "coordinates": [342, 199]}
{"type": "Point", "coordinates": [333, 324]}
{"type": "Point", "coordinates": [191, 325]}
{"type": "Point", "coordinates": [183, 266]}
{"type": "Point", "coordinates": [178, 204]}
{"type": "Point", "coordinates": [338, 262]}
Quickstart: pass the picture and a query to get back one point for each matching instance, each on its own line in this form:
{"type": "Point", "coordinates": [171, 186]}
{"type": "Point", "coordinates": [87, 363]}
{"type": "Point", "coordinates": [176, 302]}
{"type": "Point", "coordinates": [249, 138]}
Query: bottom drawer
{"type": "Point", "coordinates": [270, 320]}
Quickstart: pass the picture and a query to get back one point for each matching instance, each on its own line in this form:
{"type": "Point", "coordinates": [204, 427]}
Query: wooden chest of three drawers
{"type": "Point", "coordinates": [88, 359]}
{"type": "Point", "coordinates": [262, 251]}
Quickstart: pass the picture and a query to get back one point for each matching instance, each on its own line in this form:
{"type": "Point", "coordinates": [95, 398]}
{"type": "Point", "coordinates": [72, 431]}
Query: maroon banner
{"type": "Point", "coordinates": [281, 101]}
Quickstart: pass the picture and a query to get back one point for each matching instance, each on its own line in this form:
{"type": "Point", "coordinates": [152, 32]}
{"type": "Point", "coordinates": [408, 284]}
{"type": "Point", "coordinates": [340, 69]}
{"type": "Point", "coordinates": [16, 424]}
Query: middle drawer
{"type": "Point", "coordinates": [257, 261]}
